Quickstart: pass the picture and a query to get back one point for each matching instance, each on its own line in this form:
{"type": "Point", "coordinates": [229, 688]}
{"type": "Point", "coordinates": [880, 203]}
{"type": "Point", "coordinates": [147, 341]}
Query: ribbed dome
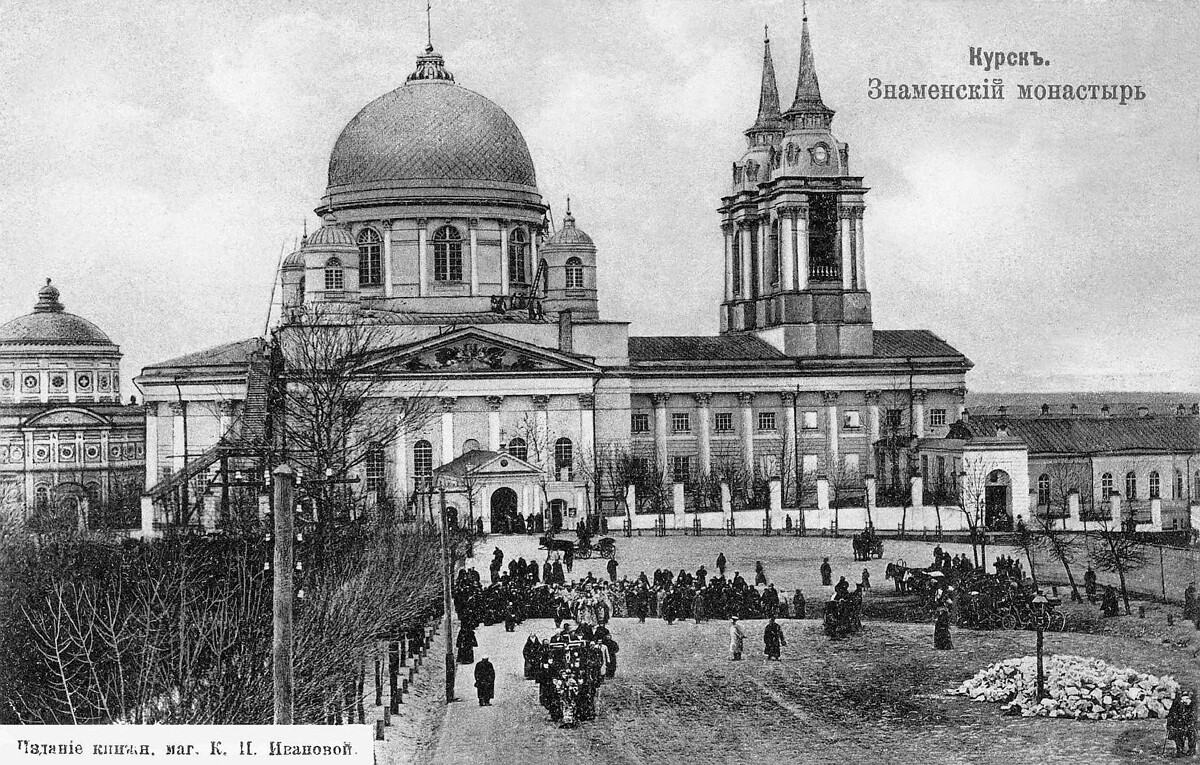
{"type": "Point", "coordinates": [430, 133]}
{"type": "Point", "coordinates": [569, 234]}
{"type": "Point", "coordinates": [50, 324]}
{"type": "Point", "coordinates": [331, 235]}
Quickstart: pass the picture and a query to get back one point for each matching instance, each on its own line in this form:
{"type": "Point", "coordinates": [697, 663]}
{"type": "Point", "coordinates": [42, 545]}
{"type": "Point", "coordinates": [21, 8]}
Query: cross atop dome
{"type": "Point", "coordinates": [431, 65]}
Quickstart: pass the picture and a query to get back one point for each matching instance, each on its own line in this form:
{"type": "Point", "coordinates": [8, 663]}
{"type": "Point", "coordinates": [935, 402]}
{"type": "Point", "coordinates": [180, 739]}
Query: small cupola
{"type": "Point", "coordinates": [570, 257]}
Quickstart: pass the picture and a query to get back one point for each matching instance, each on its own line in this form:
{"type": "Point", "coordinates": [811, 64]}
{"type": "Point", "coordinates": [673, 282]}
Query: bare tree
{"type": "Point", "coordinates": [1119, 552]}
{"type": "Point", "coordinates": [972, 502]}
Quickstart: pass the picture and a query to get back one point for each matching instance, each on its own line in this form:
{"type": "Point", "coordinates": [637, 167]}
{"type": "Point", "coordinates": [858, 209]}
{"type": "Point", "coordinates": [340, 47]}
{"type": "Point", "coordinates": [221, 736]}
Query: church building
{"type": "Point", "coordinates": [539, 405]}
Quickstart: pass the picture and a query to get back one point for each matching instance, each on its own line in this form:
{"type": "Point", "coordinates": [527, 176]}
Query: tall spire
{"type": "Point", "coordinates": [768, 96]}
{"type": "Point", "coordinates": [431, 65]}
{"type": "Point", "coordinates": [808, 90]}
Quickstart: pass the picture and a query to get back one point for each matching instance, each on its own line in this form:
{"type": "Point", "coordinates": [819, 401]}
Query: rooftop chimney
{"type": "Point", "coordinates": [1074, 410]}
{"type": "Point", "coordinates": [1045, 409]}
{"type": "Point", "coordinates": [1143, 411]}
{"type": "Point", "coordinates": [1003, 410]}
{"type": "Point", "coordinates": [966, 416]}
{"type": "Point", "coordinates": [1104, 411]}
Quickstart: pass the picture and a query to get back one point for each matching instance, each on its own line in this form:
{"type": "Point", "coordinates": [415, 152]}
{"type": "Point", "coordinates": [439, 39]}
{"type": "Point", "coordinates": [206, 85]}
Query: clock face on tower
{"type": "Point", "coordinates": [820, 155]}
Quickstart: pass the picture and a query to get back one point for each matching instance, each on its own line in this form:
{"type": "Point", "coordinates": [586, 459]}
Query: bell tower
{"type": "Point", "coordinates": [795, 272]}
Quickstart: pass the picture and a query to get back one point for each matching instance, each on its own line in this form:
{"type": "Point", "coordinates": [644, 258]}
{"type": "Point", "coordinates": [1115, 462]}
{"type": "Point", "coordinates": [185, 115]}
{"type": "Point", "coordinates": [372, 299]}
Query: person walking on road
{"type": "Point", "coordinates": [721, 563]}
{"type": "Point", "coordinates": [773, 640]}
{"type": "Point", "coordinates": [737, 640]}
{"type": "Point", "coordinates": [826, 573]}
{"type": "Point", "coordinates": [485, 681]}
{"type": "Point", "coordinates": [612, 570]}
{"type": "Point", "coordinates": [760, 574]}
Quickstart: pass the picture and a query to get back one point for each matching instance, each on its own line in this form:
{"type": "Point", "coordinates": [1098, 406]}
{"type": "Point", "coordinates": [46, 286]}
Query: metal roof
{"type": "Point", "coordinates": [687, 348]}
{"type": "Point", "coordinates": [903, 343]}
{"type": "Point", "coordinates": [227, 354]}
{"type": "Point", "coordinates": [1058, 435]}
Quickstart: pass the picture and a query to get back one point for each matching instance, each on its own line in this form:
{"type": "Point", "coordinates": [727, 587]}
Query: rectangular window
{"type": "Point", "coordinates": [724, 422]}
{"type": "Point", "coordinates": [639, 423]}
{"type": "Point", "coordinates": [941, 470]}
{"type": "Point", "coordinates": [809, 421]}
{"type": "Point", "coordinates": [766, 421]}
{"type": "Point", "coordinates": [895, 419]}
{"type": "Point", "coordinates": [850, 464]}
{"type": "Point", "coordinates": [681, 422]}
{"type": "Point", "coordinates": [852, 419]}
{"type": "Point", "coordinates": [937, 418]}
{"type": "Point", "coordinates": [681, 469]}
{"type": "Point", "coordinates": [375, 470]}
{"type": "Point", "coordinates": [808, 464]}
{"type": "Point", "coordinates": [335, 279]}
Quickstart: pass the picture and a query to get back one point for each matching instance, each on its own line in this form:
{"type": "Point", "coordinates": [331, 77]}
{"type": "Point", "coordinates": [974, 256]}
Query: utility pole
{"type": "Point", "coordinates": [281, 644]}
{"type": "Point", "coordinates": [447, 600]}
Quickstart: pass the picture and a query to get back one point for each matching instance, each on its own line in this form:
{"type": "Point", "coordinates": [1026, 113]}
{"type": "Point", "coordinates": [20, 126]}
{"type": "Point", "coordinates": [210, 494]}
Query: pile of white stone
{"type": "Point", "coordinates": [1076, 687]}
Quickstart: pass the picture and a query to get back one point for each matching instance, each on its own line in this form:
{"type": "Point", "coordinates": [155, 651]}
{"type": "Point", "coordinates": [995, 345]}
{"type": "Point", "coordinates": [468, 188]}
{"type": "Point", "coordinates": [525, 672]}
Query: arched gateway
{"type": "Point", "coordinates": [504, 510]}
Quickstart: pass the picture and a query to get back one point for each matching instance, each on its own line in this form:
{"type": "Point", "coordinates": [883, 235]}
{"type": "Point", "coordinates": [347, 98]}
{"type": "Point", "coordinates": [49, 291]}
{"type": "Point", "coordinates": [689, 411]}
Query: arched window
{"type": "Point", "coordinates": [1044, 490]}
{"type": "Point", "coordinates": [370, 258]}
{"type": "Point", "coordinates": [41, 499]}
{"type": "Point", "coordinates": [423, 462]}
{"type": "Point", "coordinates": [518, 448]}
{"type": "Point", "coordinates": [1155, 485]}
{"type": "Point", "coordinates": [1131, 486]}
{"type": "Point", "coordinates": [574, 274]}
{"type": "Point", "coordinates": [447, 255]}
{"type": "Point", "coordinates": [375, 470]}
{"type": "Point", "coordinates": [1177, 488]}
{"type": "Point", "coordinates": [470, 445]}
{"type": "Point", "coordinates": [564, 453]}
{"type": "Point", "coordinates": [1106, 486]}
{"type": "Point", "coordinates": [335, 277]}
{"type": "Point", "coordinates": [518, 256]}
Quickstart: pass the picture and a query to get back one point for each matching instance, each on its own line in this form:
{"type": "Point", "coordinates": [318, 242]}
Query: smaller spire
{"type": "Point", "coordinates": [808, 90]}
{"type": "Point", "coordinates": [569, 219]}
{"type": "Point", "coordinates": [768, 95]}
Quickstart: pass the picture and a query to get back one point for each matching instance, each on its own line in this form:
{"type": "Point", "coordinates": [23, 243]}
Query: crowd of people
{"type": "Point", "coordinates": [569, 668]}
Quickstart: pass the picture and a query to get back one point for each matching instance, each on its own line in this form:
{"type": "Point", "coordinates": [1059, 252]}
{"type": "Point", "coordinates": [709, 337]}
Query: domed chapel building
{"type": "Point", "coordinates": [433, 227]}
{"type": "Point", "coordinates": [70, 452]}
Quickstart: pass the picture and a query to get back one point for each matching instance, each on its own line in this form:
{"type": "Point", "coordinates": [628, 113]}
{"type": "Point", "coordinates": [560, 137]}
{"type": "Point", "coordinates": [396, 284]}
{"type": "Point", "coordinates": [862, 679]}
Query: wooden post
{"type": "Point", "coordinates": [378, 678]}
{"type": "Point", "coordinates": [393, 675]}
{"type": "Point", "coordinates": [281, 644]}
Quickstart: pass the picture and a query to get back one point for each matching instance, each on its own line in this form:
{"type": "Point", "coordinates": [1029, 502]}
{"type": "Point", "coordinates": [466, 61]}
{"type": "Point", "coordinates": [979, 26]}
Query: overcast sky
{"type": "Point", "coordinates": [158, 156]}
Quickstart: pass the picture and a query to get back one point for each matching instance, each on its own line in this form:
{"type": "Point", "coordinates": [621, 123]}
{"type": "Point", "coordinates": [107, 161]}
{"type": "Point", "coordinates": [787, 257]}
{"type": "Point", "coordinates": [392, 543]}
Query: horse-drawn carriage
{"type": "Point", "coordinates": [982, 601]}
{"type": "Point", "coordinates": [605, 547]}
{"type": "Point", "coordinates": [867, 545]}
{"type": "Point", "coordinates": [843, 616]}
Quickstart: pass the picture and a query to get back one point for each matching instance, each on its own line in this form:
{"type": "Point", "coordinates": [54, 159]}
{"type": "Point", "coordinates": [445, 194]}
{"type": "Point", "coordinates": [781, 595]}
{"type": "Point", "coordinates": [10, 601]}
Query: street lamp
{"type": "Point", "coordinates": [1040, 621]}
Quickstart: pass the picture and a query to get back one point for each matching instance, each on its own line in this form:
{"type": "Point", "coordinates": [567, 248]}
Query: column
{"type": "Point", "coordinates": [541, 404]}
{"type": "Point", "coordinates": [800, 244]}
{"type": "Point", "coordinates": [727, 230]}
{"type": "Point", "coordinates": [872, 397]}
{"type": "Point", "coordinates": [178, 447]}
{"type": "Point", "coordinates": [744, 233]}
{"type": "Point", "coordinates": [960, 403]}
{"type": "Point", "coordinates": [386, 226]}
{"type": "Point", "coordinates": [448, 450]}
{"type": "Point", "coordinates": [760, 232]}
{"type": "Point", "coordinates": [151, 445]}
{"type": "Point", "coordinates": [746, 402]}
{"type": "Point", "coordinates": [494, 403]}
{"type": "Point", "coordinates": [830, 398]}
{"type": "Point", "coordinates": [919, 413]}
{"type": "Point", "coordinates": [587, 425]}
{"type": "Point", "coordinates": [704, 418]}
{"type": "Point", "coordinates": [224, 416]}
{"type": "Point", "coordinates": [401, 471]}
{"type": "Point", "coordinates": [422, 258]}
{"type": "Point", "coordinates": [659, 401]}
{"type": "Point", "coordinates": [788, 469]}
{"type": "Point", "coordinates": [844, 245]}
{"type": "Point", "coordinates": [859, 248]}
{"type": "Point", "coordinates": [474, 224]}
{"type": "Point", "coordinates": [787, 250]}
{"type": "Point", "coordinates": [503, 257]}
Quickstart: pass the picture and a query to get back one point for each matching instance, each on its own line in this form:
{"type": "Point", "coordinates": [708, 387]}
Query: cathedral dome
{"type": "Point", "coordinates": [430, 135]}
{"type": "Point", "coordinates": [569, 234]}
{"type": "Point", "coordinates": [50, 324]}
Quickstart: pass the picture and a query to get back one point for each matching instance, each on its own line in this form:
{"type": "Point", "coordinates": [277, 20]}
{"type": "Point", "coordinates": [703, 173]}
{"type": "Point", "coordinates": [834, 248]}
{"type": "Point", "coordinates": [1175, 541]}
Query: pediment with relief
{"type": "Point", "coordinates": [472, 350]}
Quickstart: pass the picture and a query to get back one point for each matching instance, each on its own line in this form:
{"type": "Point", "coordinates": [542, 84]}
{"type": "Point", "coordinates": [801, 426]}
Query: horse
{"type": "Point", "coordinates": [896, 572]}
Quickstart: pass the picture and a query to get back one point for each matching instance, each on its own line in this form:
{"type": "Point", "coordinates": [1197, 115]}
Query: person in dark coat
{"type": "Point", "coordinates": [568, 559]}
{"type": "Point", "coordinates": [557, 573]}
{"type": "Point", "coordinates": [702, 577]}
{"type": "Point", "coordinates": [1108, 603]}
{"type": "Point", "coordinates": [866, 579]}
{"type": "Point", "coordinates": [798, 605]}
{"type": "Point", "coordinates": [1181, 723]}
{"type": "Point", "coordinates": [612, 570]}
{"type": "Point", "coordinates": [773, 640]}
{"type": "Point", "coordinates": [721, 563]}
{"type": "Point", "coordinates": [547, 572]}
{"type": "Point", "coordinates": [532, 653]}
{"type": "Point", "coordinates": [485, 681]}
{"type": "Point", "coordinates": [842, 588]}
{"type": "Point", "coordinates": [826, 573]}
{"type": "Point", "coordinates": [941, 631]}
{"type": "Point", "coordinates": [760, 574]}
{"type": "Point", "coordinates": [466, 644]}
